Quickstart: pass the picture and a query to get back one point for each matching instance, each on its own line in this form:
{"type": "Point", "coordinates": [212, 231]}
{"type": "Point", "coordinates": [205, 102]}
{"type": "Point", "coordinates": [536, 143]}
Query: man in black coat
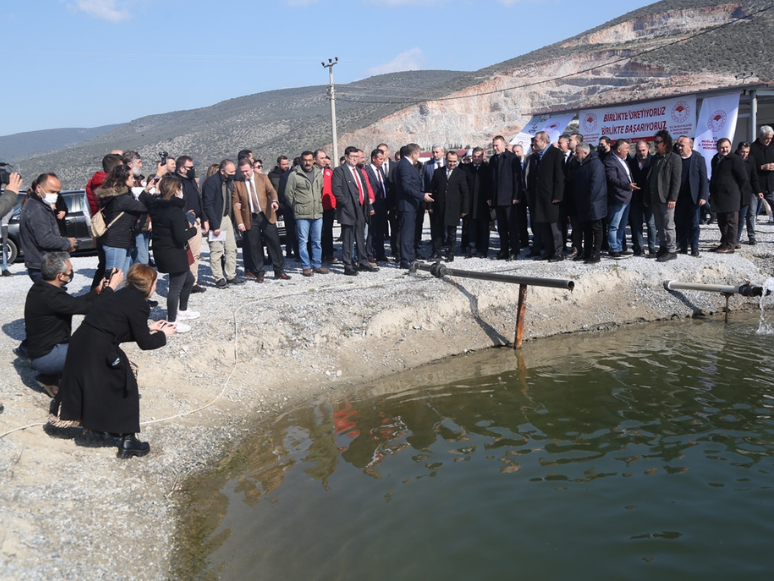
{"type": "Point", "coordinates": [505, 191]}
{"type": "Point", "coordinates": [193, 207]}
{"type": "Point", "coordinates": [728, 180]}
{"type": "Point", "coordinates": [216, 203]}
{"type": "Point", "coordinates": [590, 185]}
{"type": "Point", "coordinates": [639, 213]}
{"type": "Point", "coordinates": [479, 182]}
{"type": "Point", "coordinates": [762, 152]}
{"type": "Point", "coordinates": [449, 188]}
{"type": "Point", "coordinates": [694, 192]}
{"type": "Point", "coordinates": [545, 191]}
{"type": "Point", "coordinates": [751, 193]}
{"type": "Point", "coordinates": [353, 207]}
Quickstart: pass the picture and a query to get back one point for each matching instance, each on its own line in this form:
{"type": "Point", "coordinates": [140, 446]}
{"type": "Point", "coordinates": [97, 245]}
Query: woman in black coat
{"type": "Point", "coordinates": [98, 387]}
{"type": "Point", "coordinates": [120, 210]}
{"type": "Point", "coordinates": [171, 233]}
{"type": "Point", "coordinates": [728, 180]}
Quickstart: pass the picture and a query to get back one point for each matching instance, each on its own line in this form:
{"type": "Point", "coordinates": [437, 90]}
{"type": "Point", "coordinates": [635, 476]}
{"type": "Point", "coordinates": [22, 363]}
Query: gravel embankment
{"type": "Point", "coordinates": [71, 510]}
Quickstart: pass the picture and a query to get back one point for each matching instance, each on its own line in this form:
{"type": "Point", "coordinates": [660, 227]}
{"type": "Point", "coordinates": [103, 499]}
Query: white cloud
{"type": "Point", "coordinates": [109, 10]}
{"type": "Point", "coordinates": [411, 60]}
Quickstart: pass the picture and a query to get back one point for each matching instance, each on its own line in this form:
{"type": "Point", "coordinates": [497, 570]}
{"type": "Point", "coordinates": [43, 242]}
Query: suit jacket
{"type": "Point", "coordinates": [761, 155]}
{"type": "Point", "coordinates": [728, 180]}
{"type": "Point", "coordinates": [380, 194]}
{"type": "Point", "coordinates": [389, 182]}
{"type": "Point", "coordinates": [505, 179]}
{"type": "Point", "coordinates": [428, 170]}
{"type": "Point", "coordinates": [408, 185]}
{"type": "Point", "coordinates": [212, 201]}
{"type": "Point", "coordinates": [590, 185]}
{"type": "Point", "coordinates": [698, 184]}
{"type": "Point", "coordinates": [752, 188]}
{"type": "Point", "coordinates": [349, 211]}
{"type": "Point", "coordinates": [479, 182]}
{"type": "Point", "coordinates": [545, 183]}
{"type": "Point", "coordinates": [618, 188]}
{"type": "Point", "coordinates": [640, 177]}
{"type": "Point", "coordinates": [571, 167]}
{"type": "Point", "coordinates": [266, 195]}
{"type": "Point", "coordinates": [450, 195]}
{"type": "Point", "coordinates": [667, 180]}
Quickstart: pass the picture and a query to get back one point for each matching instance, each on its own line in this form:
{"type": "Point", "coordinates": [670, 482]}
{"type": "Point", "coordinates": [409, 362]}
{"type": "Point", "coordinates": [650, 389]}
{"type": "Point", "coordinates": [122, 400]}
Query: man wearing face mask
{"type": "Point", "coordinates": [133, 161]}
{"type": "Point", "coordinates": [216, 204]}
{"type": "Point", "coordinates": [193, 209]}
{"type": "Point", "coordinates": [48, 315]}
{"type": "Point", "coordinates": [38, 229]}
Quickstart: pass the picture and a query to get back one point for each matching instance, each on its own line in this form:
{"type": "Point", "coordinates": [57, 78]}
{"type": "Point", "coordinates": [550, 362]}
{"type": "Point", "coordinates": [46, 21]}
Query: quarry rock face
{"type": "Point", "coordinates": [504, 103]}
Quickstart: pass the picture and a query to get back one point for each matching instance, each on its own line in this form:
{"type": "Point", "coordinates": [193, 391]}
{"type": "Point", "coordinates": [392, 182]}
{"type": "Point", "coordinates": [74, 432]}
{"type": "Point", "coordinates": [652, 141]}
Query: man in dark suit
{"type": "Point", "coordinates": [694, 192]}
{"type": "Point", "coordinates": [639, 213]}
{"type": "Point", "coordinates": [449, 188]}
{"type": "Point", "coordinates": [729, 178]}
{"type": "Point", "coordinates": [620, 186]}
{"type": "Point", "coordinates": [545, 191]}
{"type": "Point", "coordinates": [388, 170]}
{"type": "Point", "coordinates": [352, 210]}
{"type": "Point", "coordinates": [410, 195]}
{"type": "Point", "coordinates": [505, 191]}
{"type": "Point", "coordinates": [378, 226]}
{"type": "Point", "coordinates": [479, 180]}
{"type": "Point", "coordinates": [216, 205]}
{"type": "Point", "coordinates": [428, 169]}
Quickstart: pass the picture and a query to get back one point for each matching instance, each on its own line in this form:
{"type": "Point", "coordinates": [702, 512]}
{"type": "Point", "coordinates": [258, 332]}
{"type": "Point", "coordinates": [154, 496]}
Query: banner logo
{"type": "Point", "coordinates": [680, 112]}
{"type": "Point", "coordinates": [717, 120]}
{"type": "Point", "coordinates": [589, 122]}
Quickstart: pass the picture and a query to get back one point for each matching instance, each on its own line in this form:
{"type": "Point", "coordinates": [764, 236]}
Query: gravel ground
{"type": "Point", "coordinates": [71, 510]}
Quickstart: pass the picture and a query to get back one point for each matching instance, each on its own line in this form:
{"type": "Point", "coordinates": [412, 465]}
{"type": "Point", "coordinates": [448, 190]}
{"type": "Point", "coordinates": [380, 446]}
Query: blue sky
{"type": "Point", "coordinates": [85, 63]}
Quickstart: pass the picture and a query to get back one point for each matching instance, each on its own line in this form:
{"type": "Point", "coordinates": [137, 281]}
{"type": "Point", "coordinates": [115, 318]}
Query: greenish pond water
{"type": "Point", "coordinates": [644, 453]}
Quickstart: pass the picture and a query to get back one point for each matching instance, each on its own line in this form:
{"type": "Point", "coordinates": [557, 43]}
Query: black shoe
{"type": "Point", "coordinates": [556, 258]}
{"type": "Point", "coordinates": [661, 252]}
{"type": "Point", "coordinates": [236, 280]}
{"type": "Point", "coordinates": [683, 251]}
{"type": "Point", "coordinates": [470, 255]}
{"type": "Point", "coordinates": [450, 257]}
{"type": "Point", "coordinates": [513, 257]}
{"type": "Point", "coordinates": [532, 254]}
{"type": "Point", "coordinates": [695, 253]}
{"type": "Point", "coordinates": [367, 267]}
{"type": "Point", "coordinates": [625, 252]}
{"type": "Point", "coordinates": [153, 304]}
{"type": "Point", "coordinates": [352, 272]}
{"type": "Point", "coordinates": [751, 242]}
{"type": "Point", "coordinates": [198, 289]}
{"type": "Point", "coordinates": [580, 257]}
{"type": "Point", "coordinates": [667, 256]}
{"type": "Point", "coordinates": [594, 259]}
{"type": "Point", "coordinates": [614, 254]}
{"type": "Point", "coordinates": [502, 256]}
{"type": "Point", "coordinates": [131, 446]}
{"type": "Point", "coordinates": [403, 265]}
{"type": "Point", "coordinates": [435, 256]}
{"type": "Point", "coordinates": [221, 283]}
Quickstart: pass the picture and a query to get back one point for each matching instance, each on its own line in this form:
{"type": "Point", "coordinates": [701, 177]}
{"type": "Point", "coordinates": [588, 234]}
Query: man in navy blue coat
{"type": "Point", "coordinates": [620, 186]}
{"type": "Point", "coordinates": [410, 195]}
{"type": "Point", "coordinates": [694, 191]}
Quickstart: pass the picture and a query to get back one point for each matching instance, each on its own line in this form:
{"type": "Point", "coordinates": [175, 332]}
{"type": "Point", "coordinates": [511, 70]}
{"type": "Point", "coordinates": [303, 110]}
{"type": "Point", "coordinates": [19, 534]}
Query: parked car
{"type": "Point", "coordinates": [77, 224]}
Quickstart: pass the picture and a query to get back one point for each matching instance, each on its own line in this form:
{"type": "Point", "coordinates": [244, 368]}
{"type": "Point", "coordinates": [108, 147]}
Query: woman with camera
{"type": "Point", "coordinates": [171, 232]}
{"type": "Point", "coordinates": [98, 386]}
{"type": "Point", "coordinates": [120, 210]}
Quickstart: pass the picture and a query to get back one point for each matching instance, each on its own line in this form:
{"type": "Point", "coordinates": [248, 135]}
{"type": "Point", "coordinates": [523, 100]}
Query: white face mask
{"type": "Point", "coordinates": [51, 199]}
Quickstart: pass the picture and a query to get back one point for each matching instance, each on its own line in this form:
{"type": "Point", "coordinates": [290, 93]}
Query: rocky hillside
{"type": "Point", "coordinates": [669, 46]}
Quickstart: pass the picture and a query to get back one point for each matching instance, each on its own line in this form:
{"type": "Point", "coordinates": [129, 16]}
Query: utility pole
{"type": "Point", "coordinates": [332, 97]}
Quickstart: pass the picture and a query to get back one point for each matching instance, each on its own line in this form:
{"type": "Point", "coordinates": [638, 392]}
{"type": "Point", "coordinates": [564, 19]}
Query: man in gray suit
{"type": "Point", "coordinates": [661, 191]}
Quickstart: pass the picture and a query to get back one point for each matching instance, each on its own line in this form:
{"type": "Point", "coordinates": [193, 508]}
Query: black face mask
{"type": "Point", "coordinates": [228, 178]}
{"type": "Point", "coordinates": [191, 173]}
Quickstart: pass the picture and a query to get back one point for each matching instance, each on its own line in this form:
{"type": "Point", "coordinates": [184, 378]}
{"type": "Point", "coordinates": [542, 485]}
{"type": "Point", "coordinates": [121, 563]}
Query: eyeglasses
{"type": "Point", "coordinates": [258, 166]}
{"type": "Point", "coordinates": [657, 141]}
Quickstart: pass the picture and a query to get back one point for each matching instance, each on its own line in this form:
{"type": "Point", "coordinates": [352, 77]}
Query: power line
{"type": "Point", "coordinates": [576, 73]}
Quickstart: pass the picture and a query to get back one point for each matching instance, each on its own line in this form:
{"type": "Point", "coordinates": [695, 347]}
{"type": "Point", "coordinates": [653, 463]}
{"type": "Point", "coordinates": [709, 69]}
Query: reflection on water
{"type": "Point", "coordinates": [640, 453]}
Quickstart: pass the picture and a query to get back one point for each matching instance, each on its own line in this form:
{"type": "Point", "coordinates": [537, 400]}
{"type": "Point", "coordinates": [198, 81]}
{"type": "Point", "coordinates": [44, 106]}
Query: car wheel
{"type": "Point", "coordinates": [11, 251]}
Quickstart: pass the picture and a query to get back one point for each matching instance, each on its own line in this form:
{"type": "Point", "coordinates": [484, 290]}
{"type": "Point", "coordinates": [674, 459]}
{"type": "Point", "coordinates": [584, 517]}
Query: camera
{"type": "Point", "coordinates": [5, 175]}
{"type": "Point", "coordinates": [163, 155]}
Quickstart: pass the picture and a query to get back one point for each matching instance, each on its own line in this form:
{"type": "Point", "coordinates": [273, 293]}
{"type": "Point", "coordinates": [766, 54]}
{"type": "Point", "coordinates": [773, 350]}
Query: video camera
{"type": "Point", "coordinates": [163, 155]}
{"type": "Point", "coordinates": [5, 175]}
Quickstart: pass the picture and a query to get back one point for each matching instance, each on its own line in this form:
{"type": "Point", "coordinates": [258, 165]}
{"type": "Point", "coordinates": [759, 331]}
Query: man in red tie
{"type": "Point", "coordinates": [353, 206]}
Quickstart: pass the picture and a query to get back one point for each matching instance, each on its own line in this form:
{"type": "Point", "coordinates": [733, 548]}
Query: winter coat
{"type": "Point", "coordinates": [112, 202]}
{"type": "Point", "coordinates": [303, 196]}
{"type": "Point", "coordinates": [752, 188]}
{"type": "Point", "coordinates": [97, 385]}
{"type": "Point", "coordinates": [39, 232]}
{"type": "Point", "coordinates": [590, 184]}
{"type": "Point", "coordinates": [728, 179]}
{"type": "Point", "coordinates": [545, 183]}
{"type": "Point", "coordinates": [171, 232]}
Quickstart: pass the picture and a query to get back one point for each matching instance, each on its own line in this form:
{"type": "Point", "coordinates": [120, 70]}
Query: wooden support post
{"type": "Point", "coordinates": [520, 314]}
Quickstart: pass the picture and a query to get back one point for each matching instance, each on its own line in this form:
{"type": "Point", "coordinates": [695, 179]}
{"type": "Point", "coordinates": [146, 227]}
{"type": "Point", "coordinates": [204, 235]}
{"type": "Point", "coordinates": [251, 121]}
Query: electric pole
{"type": "Point", "coordinates": [332, 97]}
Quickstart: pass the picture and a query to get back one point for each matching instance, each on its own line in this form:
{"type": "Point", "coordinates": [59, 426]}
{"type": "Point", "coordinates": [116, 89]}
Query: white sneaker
{"type": "Point", "coordinates": [187, 315]}
{"type": "Point", "coordinates": [181, 327]}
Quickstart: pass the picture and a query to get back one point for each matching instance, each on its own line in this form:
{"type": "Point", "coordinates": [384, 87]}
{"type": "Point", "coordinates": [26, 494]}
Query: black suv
{"type": "Point", "coordinates": [76, 220]}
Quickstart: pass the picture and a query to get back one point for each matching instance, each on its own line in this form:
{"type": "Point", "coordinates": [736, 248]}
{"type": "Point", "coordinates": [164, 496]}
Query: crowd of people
{"type": "Point", "coordinates": [577, 200]}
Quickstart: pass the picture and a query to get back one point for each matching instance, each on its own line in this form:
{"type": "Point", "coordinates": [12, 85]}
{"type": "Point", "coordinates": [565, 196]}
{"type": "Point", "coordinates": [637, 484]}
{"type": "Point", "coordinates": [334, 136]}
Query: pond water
{"type": "Point", "coordinates": [643, 453]}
